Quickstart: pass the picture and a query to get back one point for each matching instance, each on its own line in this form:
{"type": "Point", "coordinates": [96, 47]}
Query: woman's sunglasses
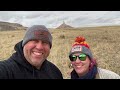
{"type": "Point", "coordinates": [81, 57]}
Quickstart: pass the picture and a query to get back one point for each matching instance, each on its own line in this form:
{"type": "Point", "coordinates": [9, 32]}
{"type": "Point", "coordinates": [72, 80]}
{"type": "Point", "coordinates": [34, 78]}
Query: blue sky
{"type": "Point", "coordinates": [53, 19]}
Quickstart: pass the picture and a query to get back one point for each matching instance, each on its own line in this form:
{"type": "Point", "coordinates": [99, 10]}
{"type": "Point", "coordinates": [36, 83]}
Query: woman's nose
{"type": "Point", "coordinates": [78, 60]}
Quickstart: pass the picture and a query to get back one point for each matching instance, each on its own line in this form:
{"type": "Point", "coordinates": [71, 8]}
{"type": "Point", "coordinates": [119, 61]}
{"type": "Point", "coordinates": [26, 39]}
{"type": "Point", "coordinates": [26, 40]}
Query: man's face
{"type": "Point", "coordinates": [36, 51]}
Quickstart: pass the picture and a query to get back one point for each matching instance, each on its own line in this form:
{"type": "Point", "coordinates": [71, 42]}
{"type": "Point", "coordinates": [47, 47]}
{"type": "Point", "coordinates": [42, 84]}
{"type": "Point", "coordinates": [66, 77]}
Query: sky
{"type": "Point", "coordinates": [53, 19]}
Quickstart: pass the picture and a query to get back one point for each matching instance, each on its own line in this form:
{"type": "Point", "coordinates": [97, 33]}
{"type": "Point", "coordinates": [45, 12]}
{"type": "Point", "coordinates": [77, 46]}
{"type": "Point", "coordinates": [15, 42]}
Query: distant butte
{"type": "Point", "coordinates": [64, 26]}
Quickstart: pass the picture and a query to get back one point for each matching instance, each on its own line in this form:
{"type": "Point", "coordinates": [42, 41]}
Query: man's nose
{"type": "Point", "coordinates": [39, 45]}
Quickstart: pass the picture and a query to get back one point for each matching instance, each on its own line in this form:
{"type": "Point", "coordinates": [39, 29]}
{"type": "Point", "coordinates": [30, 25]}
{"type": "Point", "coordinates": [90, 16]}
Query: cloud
{"type": "Point", "coordinates": [53, 19]}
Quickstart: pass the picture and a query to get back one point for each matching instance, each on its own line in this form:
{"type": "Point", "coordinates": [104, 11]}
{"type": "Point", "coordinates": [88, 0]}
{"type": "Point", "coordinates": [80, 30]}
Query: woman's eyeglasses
{"type": "Point", "coordinates": [81, 57]}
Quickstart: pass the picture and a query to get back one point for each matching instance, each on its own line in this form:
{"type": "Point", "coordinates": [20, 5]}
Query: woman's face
{"type": "Point", "coordinates": [81, 66]}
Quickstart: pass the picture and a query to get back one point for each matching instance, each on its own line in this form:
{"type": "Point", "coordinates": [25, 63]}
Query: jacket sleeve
{"type": "Point", "coordinates": [55, 70]}
{"type": "Point", "coordinates": [107, 74]}
{"type": "Point", "coordinates": [3, 71]}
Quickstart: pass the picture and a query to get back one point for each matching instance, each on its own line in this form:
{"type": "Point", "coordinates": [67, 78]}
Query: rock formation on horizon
{"type": "Point", "coordinates": [64, 26]}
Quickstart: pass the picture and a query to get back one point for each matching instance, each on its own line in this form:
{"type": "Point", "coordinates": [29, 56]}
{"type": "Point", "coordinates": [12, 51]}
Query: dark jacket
{"type": "Point", "coordinates": [17, 67]}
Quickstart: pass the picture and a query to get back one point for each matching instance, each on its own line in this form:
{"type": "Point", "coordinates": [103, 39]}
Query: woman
{"type": "Point", "coordinates": [84, 65]}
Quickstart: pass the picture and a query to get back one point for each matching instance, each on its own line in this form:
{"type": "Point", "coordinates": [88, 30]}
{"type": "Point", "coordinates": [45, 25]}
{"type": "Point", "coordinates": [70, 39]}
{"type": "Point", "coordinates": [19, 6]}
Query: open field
{"type": "Point", "coordinates": [104, 43]}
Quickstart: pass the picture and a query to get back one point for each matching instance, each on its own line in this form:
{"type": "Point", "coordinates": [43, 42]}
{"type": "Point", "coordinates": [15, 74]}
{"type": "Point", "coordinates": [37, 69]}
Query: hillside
{"type": "Point", "coordinates": [11, 26]}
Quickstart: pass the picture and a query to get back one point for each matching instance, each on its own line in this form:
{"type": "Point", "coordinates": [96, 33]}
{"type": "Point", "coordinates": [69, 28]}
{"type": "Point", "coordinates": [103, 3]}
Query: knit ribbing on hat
{"type": "Point", "coordinates": [37, 32]}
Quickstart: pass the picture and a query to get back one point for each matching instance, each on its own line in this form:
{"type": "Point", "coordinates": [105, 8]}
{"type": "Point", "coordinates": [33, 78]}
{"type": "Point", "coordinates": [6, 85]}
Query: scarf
{"type": "Point", "coordinates": [90, 75]}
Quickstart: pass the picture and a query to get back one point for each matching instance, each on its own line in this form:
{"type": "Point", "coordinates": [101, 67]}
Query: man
{"type": "Point", "coordinates": [29, 61]}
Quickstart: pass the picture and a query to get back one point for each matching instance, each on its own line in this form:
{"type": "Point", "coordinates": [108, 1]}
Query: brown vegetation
{"type": "Point", "coordinates": [104, 43]}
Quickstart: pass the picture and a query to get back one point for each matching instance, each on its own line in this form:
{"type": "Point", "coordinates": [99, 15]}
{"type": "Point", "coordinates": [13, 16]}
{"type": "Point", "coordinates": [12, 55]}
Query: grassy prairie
{"type": "Point", "coordinates": [104, 43]}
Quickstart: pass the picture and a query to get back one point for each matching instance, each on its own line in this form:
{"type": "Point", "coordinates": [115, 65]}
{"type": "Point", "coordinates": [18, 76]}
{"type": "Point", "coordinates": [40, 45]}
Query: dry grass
{"type": "Point", "coordinates": [104, 43]}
